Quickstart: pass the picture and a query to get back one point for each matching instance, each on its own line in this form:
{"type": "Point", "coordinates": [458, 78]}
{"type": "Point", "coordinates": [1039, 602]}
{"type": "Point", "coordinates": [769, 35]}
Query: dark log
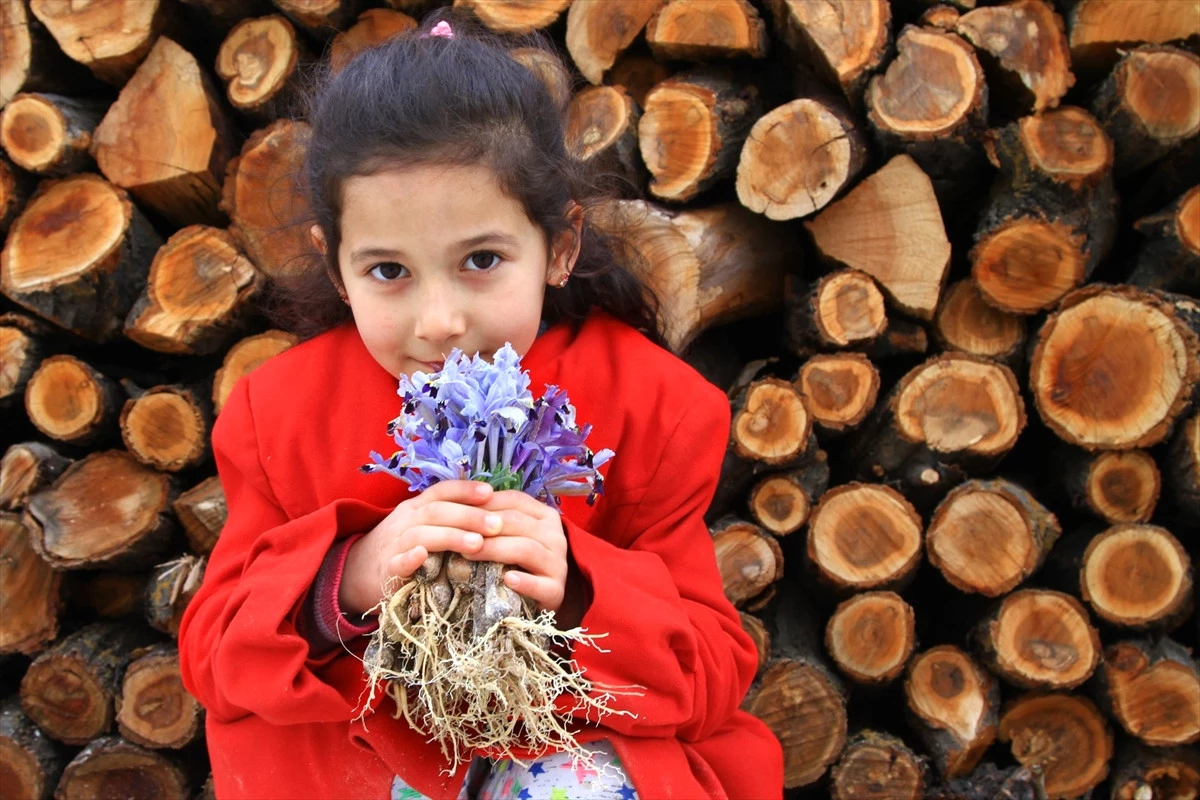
{"type": "Point", "coordinates": [692, 129]}
{"type": "Point", "coordinates": [202, 511]}
{"type": "Point", "coordinates": [113, 767]}
{"type": "Point", "coordinates": [374, 27]}
{"type": "Point", "coordinates": [1141, 772]}
{"type": "Point", "coordinates": [167, 139]}
{"type": "Point", "coordinates": [171, 587]}
{"type": "Point", "coordinates": [1065, 735]}
{"type": "Point", "coordinates": [153, 707]}
{"type": "Point", "coordinates": [515, 16]}
{"type": "Point", "coordinates": [843, 41]}
{"type": "Point", "coordinates": [1152, 688]}
{"type": "Point", "coordinates": [966, 322]}
{"type": "Point", "coordinates": [15, 189]}
{"type": "Point", "coordinates": [69, 689]}
{"type": "Point", "coordinates": [243, 358]}
{"type": "Point", "coordinates": [890, 227]}
{"type": "Point", "coordinates": [265, 196]}
{"type": "Point", "coordinates": [1051, 217]}
{"type": "Point", "coordinates": [1183, 471]}
{"type": "Point", "coordinates": [639, 74]}
{"type": "Point", "coordinates": [110, 39]}
{"type": "Point", "coordinates": [49, 134]}
{"type": "Point", "coordinates": [754, 627]}
{"type": "Point", "coordinates": [877, 765]}
{"type": "Point", "coordinates": [27, 468]}
{"type": "Point", "coordinates": [72, 402]}
{"type": "Point", "coordinates": [1116, 486]}
{"type": "Point", "coordinates": [1113, 368]}
{"type": "Point", "coordinates": [106, 509]}
{"type": "Point", "coordinates": [106, 594]}
{"type": "Point", "coordinates": [988, 536]}
{"type": "Point", "coordinates": [79, 255]}
{"type": "Point", "coordinates": [599, 30]}
{"type": "Point", "coordinates": [601, 129]}
{"type": "Point", "coordinates": [30, 762]}
{"type": "Point", "coordinates": [1170, 256]}
{"type": "Point", "coordinates": [871, 636]}
{"type": "Point", "coordinates": [839, 389]}
{"type": "Point", "coordinates": [772, 181]}
{"type": "Point", "coordinates": [1138, 576]}
{"type": "Point", "coordinates": [1036, 638]}
{"type": "Point", "coordinates": [953, 703]}
{"type": "Point", "coordinates": [260, 62]}
{"type": "Point", "coordinates": [750, 560]}
{"type": "Point", "coordinates": [32, 591]}
{"type": "Point", "coordinates": [782, 502]}
{"type": "Point", "coordinates": [988, 782]}
{"type": "Point", "coordinates": [682, 29]}
{"type": "Point", "coordinates": [864, 536]}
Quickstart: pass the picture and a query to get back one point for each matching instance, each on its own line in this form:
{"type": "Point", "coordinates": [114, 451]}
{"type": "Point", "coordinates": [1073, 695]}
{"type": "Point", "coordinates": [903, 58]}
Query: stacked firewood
{"type": "Point", "coordinates": [944, 257]}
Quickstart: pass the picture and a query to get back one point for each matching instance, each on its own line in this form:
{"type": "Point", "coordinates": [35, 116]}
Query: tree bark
{"type": "Point", "coordinates": [1169, 258]}
{"type": "Point", "coordinates": [953, 703]}
{"type": "Point", "coordinates": [15, 189]}
{"type": "Point", "coordinates": [72, 402]}
{"type": "Point", "coordinates": [684, 29]}
{"type": "Point", "coordinates": [1036, 638]}
{"type": "Point", "coordinates": [871, 637]}
{"type": "Point", "coordinates": [29, 761]}
{"type": "Point", "coordinates": [202, 511]}
{"type": "Point", "coordinates": [153, 708]}
{"type": "Point", "coordinates": [1063, 734]}
{"type": "Point", "coordinates": [1183, 471]}
{"type": "Point", "coordinates": [112, 767]}
{"type": "Point", "coordinates": [49, 134]}
{"type": "Point", "coordinates": [32, 591]}
{"type": "Point", "coordinates": [864, 536]}
{"type": "Point", "coordinates": [1140, 772]}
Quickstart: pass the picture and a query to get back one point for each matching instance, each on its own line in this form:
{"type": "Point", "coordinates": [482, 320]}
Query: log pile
{"type": "Point", "coordinates": [944, 257]}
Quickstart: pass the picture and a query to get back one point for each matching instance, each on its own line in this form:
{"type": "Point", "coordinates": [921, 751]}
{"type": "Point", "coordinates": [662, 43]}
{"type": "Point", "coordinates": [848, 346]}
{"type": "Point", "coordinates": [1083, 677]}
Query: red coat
{"type": "Point", "coordinates": [288, 445]}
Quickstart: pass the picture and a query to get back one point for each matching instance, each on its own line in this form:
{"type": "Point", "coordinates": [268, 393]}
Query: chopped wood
{"type": "Point", "coordinates": [79, 255]}
{"type": "Point", "coordinates": [879, 765]}
{"type": "Point", "coordinates": [943, 17]}
{"type": "Point", "coordinates": [69, 690]}
{"type": "Point", "coordinates": [691, 131]}
{"type": "Point", "coordinates": [954, 705]}
{"type": "Point", "coordinates": [601, 129]}
{"type": "Point", "coordinates": [707, 265]}
{"type": "Point", "coordinates": [1051, 216]}
{"type": "Point", "coordinates": [843, 309]}
{"type": "Point", "coordinates": [750, 560]}
{"type": "Point", "coordinates": [243, 358]}
{"type": "Point", "coordinates": [515, 16]}
{"type": "Point", "coordinates": [265, 196]}
{"type": "Point", "coordinates": [890, 227]}
{"type": "Point", "coordinates": [48, 133]}
{"type": "Point", "coordinates": [166, 138]}
{"type": "Point", "coordinates": [198, 294]}
{"type": "Point", "coordinates": [110, 39]}
{"type": "Point", "coordinates": [202, 511]}
{"type": "Point", "coordinates": [988, 782]}
{"type": "Point", "coordinates": [1149, 104]}
{"type": "Point", "coordinates": [1037, 638]}
{"type": "Point", "coordinates": [171, 587]}
{"type": "Point", "coordinates": [32, 591]}
{"type": "Point", "coordinates": [771, 423]}
{"type": "Point", "coordinates": [1113, 368]}
{"type": "Point", "coordinates": [1137, 576]}
{"type": "Point", "coordinates": [966, 322]}
{"type": "Point", "coordinates": [319, 17]}
{"type": "Point", "coordinates": [1116, 486]}
{"type": "Point", "coordinates": [1153, 690]}
{"type": "Point", "coordinates": [168, 427]}
{"type": "Point", "coordinates": [988, 536]}
{"type": "Point", "coordinates": [106, 509]}
{"type": "Point", "coordinates": [1169, 258]}
{"type": "Point", "coordinates": [754, 628]}
{"type": "Point", "coordinates": [260, 62]}
{"type": "Point", "coordinates": [639, 74]}
{"type": "Point", "coordinates": [21, 353]}
{"type": "Point", "coordinates": [30, 59]}
{"type": "Point", "coordinates": [548, 68]}
{"type": "Point", "coordinates": [772, 181]}
{"type": "Point", "coordinates": [27, 468]}
{"type": "Point", "coordinates": [153, 707]}
{"type": "Point", "coordinates": [839, 390]}
{"type": "Point", "coordinates": [107, 594]}
{"type": "Point", "coordinates": [782, 502]}
{"type": "Point", "coordinates": [1028, 43]}
{"type": "Point", "coordinates": [374, 27]}
{"type": "Point", "coordinates": [1141, 772]}
{"type": "Point", "coordinates": [112, 767]}
{"type": "Point", "coordinates": [1063, 734]}
{"type": "Point", "coordinates": [687, 29]}
{"type": "Point", "coordinates": [15, 189]}
{"type": "Point", "coordinates": [599, 30]}
{"type": "Point", "coordinates": [844, 41]}
{"type": "Point", "coordinates": [71, 401]}
{"type": "Point", "coordinates": [871, 637]}
{"type": "Point", "coordinates": [29, 760]}
{"type": "Point", "coordinates": [1183, 471]}
{"type": "Point", "coordinates": [1098, 30]}
{"type": "Point", "coordinates": [864, 536]}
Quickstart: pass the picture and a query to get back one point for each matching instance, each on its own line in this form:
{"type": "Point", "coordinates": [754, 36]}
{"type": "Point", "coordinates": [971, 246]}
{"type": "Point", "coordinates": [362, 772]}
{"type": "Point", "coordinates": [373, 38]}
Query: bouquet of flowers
{"type": "Point", "coordinates": [467, 660]}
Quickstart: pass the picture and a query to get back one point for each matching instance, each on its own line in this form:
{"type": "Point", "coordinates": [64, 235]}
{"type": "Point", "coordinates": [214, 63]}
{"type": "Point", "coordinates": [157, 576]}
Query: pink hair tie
{"type": "Point", "coordinates": [441, 29]}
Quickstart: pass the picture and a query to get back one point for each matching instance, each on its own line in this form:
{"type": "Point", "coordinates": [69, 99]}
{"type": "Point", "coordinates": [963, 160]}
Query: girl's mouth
{"type": "Point", "coordinates": [432, 366]}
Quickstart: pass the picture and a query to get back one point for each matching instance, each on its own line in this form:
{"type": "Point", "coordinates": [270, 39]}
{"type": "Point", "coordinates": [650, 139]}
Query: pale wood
{"type": "Point", "coordinates": [1116, 486]}
{"type": "Point", "coordinates": [864, 536]}
{"type": "Point", "coordinates": [109, 38]}
{"type": "Point", "coordinates": [702, 29]}
{"type": "Point", "coordinates": [111, 766]}
{"type": "Point", "coordinates": [750, 560]}
{"type": "Point", "coordinates": [31, 588]}
{"type": "Point", "coordinates": [843, 40]}
{"type": "Point", "coordinates": [167, 427]}
{"type": "Point", "coordinates": [319, 17]}
{"type": "Point", "coordinates": [515, 16]}
{"type": "Point", "coordinates": [202, 512]}
{"type": "Point", "coordinates": [954, 703]}
{"type": "Point", "coordinates": [1099, 29]}
{"type": "Point", "coordinates": [373, 27]}
{"type": "Point", "coordinates": [1037, 638]}
{"type": "Point", "coordinates": [966, 322]}
{"type": "Point", "coordinates": [260, 62]}
{"type": "Point", "coordinates": [548, 68]}
{"type": "Point", "coordinates": [1137, 576]}
{"type": "Point", "coordinates": [871, 637]}
{"type": "Point", "coordinates": [877, 764]}
{"type": "Point", "coordinates": [27, 468]}
{"type": "Point", "coordinates": [771, 423]}
{"type": "Point", "coordinates": [840, 389]}
{"type": "Point", "coordinates": [243, 358]}
{"type": "Point", "coordinates": [599, 30]}
{"type": "Point", "coordinates": [69, 400]}
{"type": "Point", "coordinates": [170, 589]}
{"type": "Point", "coordinates": [1064, 734]}
{"type": "Point", "coordinates": [153, 707]}
{"type": "Point", "coordinates": [49, 134]}
{"type": "Point", "coordinates": [21, 352]}
{"type": "Point", "coordinates": [1152, 689]}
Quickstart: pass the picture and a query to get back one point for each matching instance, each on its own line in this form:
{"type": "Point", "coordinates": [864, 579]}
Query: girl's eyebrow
{"type": "Point", "coordinates": [490, 237]}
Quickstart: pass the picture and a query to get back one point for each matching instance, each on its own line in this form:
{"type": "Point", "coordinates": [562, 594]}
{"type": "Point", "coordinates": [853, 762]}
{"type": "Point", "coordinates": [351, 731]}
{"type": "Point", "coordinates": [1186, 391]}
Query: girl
{"type": "Point", "coordinates": [450, 216]}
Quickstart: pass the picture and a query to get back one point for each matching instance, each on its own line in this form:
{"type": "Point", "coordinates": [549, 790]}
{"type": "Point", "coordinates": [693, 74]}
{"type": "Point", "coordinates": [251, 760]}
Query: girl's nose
{"type": "Point", "coordinates": [440, 315]}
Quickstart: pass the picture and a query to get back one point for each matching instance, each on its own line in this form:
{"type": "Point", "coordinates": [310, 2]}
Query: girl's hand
{"type": "Point", "coordinates": [532, 541]}
{"type": "Point", "coordinates": [449, 515]}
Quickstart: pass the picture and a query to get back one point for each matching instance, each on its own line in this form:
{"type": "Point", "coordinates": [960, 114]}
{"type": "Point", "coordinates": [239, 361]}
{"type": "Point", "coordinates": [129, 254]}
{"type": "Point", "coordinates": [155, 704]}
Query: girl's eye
{"type": "Point", "coordinates": [388, 271]}
{"type": "Point", "coordinates": [482, 261]}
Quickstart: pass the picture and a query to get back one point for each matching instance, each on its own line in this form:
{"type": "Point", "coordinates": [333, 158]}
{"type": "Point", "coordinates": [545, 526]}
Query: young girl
{"type": "Point", "coordinates": [450, 216]}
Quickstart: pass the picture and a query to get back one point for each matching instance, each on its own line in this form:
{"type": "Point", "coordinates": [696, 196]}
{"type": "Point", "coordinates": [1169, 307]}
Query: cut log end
{"type": "Point", "coordinates": [1041, 638]}
{"type": "Point", "coordinates": [678, 138]}
{"type": "Point", "coordinates": [966, 322]}
{"type": "Point", "coordinates": [876, 765]}
{"type": "Point", "coordinates": [1162, 91]}
{"type": "Point", "coordinates": [67, 400]}
{"type": "Point", "coordinates": [32, 599]}
{"type": "Point", "coordinates": [598, 30]}
{"type": "Point", "coordinates": [849, 308]}
{"type": "Point", "coordinates": [1154, 691]}
{"type": "Point", "coordinates": [257, 59]}
{"type": "Point", "coordinates": [759, 634]}
{"type": "Point", "coordinates": [750, 560]}
{"type": "Point", "coordinates": [839, 389]}
{"type": "Point", "coordinates": [154, 709]}
{"type": "Point", "coordinates": [780, 504]}
{"type": "Point", "coordinates": [202, 512]}
{"type": "Point", "coordinates": [934, 86]}
{"type": "Point", "coordinates": [1137, 576]}
{"type": "Point", "coordinates": [596, 118]}
{"type": "Point", "coordinates": [1126, 342]}
{"type": "Point", "coordinates": [772, 424]}
{"type": "Point", "coordinates": [844, 40]}
{"type": "Point", "coordinates": [166, 428]}
{"type": "Point", "coordinates": [1123, 486]}
{"type": "Point", "coordinates": [1027, 265]}
{"type": "Point", "coordinates": [1143, 773]}
{"type": "Point", "coordinates": [27, 468]}
{"type": "Point", "coordinates": [955, 699]}
{"type": "Point", "coordinates": [34, 133]}
{"type": "Point", "coordinates": [1068, 145]}
{"type": "Point", "coordinates": [244, 357]}
{"type": "Point", "coordinates": [503, 16]}
{"type": "Point", "coordinates": [1063, 734]}
{"type": "Point", "coordinates": [871, 636]}
{"type": "Point", "coordinates": [113, 767]}
{"type": "Point", "coordinates": [1187, 220]}
{"type": "Point", "coordinates": [721, 29]}
{"type": "Point", "coordinates": [374, 26]}
{"type": "Point", "coordinates": [864, 536]}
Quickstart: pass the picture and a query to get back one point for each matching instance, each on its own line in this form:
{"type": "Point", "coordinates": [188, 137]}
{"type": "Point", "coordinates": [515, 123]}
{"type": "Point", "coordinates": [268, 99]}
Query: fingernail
{"type": "Point", "coordinates": [473, 540]}
{"type": "Point", "coordinates": [493, 522]}
{"type": "Point", "coordinates": [483, 490]}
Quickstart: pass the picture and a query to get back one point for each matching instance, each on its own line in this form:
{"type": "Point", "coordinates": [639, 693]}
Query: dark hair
{"type": "Point", "coordinates": [420, 99]}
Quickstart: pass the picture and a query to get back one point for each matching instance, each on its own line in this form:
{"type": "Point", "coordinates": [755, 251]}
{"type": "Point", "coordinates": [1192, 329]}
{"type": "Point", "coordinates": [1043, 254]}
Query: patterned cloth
{"type": "Point", "coordinates": [553, 777]}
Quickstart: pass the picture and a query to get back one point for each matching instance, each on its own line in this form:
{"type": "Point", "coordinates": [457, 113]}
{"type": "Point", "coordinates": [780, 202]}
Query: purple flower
{"type": "Point", "coordinates": [477, 420]}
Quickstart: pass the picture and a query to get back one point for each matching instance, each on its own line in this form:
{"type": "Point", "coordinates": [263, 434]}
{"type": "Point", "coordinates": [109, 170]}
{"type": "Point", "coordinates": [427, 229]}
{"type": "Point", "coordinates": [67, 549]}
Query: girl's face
{"type": "Point", "coordinates": [437, 257]}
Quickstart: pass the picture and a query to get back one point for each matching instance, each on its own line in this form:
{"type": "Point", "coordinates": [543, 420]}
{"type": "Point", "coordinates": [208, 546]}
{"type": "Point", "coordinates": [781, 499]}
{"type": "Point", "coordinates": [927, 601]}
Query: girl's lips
{"type": "Point", "coordinates": [433, 366]}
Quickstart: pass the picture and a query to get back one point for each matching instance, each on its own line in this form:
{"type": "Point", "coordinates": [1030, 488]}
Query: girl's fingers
{"type": "Point", "coordinates": [467, 492]}
{"type": "Point", "coordinates": [438, 538]}
{"type": "Point", "coordinates": [520, 552]}
{"type": "Point", "coordinates": [403, 565]}
{"type": "Point", "coordinates": [546, 592]}
{"type": "Point", "coordinates": [456, 515]}
{"type": "Point", "coordinates": [519, 501]}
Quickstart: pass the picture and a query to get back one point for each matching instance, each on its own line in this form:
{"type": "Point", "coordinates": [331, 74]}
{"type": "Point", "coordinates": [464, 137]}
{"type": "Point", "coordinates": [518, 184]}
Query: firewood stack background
{"type": "Point", "coordinates": [944, 257]}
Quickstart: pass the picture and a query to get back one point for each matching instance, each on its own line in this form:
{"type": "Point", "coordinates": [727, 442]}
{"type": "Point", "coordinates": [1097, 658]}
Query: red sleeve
{"type": "Point", "coordinates": [240, 652]}
{"type": "Point", "coordinates": [660, 599]}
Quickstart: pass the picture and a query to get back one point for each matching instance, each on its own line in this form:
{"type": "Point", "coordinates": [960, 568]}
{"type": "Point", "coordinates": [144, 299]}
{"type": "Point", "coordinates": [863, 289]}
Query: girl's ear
{"type": "Point", "coordinates": [318, 238]}
{"type": "Point", "coordinates": [566, 247]}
